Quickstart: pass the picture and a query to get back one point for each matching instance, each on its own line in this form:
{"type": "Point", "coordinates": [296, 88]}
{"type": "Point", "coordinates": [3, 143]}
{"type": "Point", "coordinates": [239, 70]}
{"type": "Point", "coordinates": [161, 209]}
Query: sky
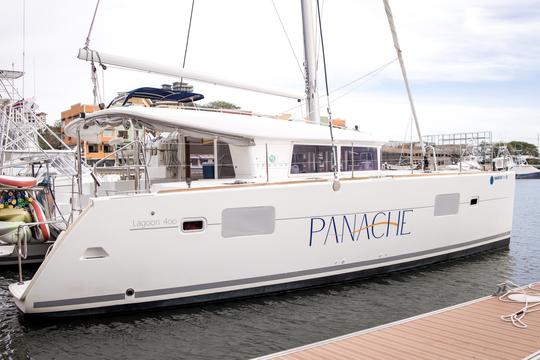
{"type": "Point", "coordinates": [473, 65]}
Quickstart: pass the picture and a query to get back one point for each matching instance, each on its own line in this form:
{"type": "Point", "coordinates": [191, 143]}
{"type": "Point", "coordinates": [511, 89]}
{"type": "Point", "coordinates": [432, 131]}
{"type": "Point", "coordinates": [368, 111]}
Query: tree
{"type": "Point", "coordinates": [50, 138]}
{"type": "Point", "coordinates": [220, 104]}
{"type": "Point", "coordinates": [523, 148]}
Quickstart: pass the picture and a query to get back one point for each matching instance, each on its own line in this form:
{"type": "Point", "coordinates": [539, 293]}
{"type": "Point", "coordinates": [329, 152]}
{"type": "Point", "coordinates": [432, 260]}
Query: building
{"type": "Point", "coordinates": [71, 114]}
{"type": "Point", "coordinates": [92, 152]}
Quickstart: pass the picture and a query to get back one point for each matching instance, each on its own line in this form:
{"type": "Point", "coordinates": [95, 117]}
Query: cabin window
{"type": "Point", "coordinates": [359, 158]}
{"type": "Point", "coordinates": [108, 132]}
{"type": "Point", "coordinates": [108, 148]}
{"type": "Point", "coordinates": [245, 221]}
{"type": "Point", "coordinates": [311, 159]}
{"type": "Point", "coordinates": [123, 134]}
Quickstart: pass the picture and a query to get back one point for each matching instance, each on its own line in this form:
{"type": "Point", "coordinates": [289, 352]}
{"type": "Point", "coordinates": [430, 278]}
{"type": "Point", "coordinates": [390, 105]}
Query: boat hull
{"type": "Point", "coordinates": [535, 175]}
{"type": "Point", "coordinates": [498, 245]}
{"type": "Point", "coordinates": [370, 226]}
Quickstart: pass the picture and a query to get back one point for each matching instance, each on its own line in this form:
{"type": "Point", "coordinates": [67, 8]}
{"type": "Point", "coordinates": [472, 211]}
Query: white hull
{"type": "Point", "coordinates": [526, 172]}
{"type": "Point", "coordinates": [397, 213]}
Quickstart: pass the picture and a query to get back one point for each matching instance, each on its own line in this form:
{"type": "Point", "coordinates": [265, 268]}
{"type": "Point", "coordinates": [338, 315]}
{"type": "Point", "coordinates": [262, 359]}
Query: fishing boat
{"type": "Point", "coordinates": [517, 164]}
{"type": "Point", "coordinates": [291, 204]}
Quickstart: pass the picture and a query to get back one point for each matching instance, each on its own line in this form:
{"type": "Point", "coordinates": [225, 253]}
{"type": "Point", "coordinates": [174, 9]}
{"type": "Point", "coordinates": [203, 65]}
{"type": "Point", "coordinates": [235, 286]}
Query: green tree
{"type": "Point", "coordinates": [219, 104]}
{"type": "Point", "coordinates": [50, 138]}
{"type": "Point", "coordinates": [523, 148]}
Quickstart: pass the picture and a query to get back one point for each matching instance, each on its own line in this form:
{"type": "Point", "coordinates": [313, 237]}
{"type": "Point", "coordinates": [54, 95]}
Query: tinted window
{"type": "Point", "coordinates": [362, 158]}
{"type": "Point", "coordinates": [192, 225]}
{"type": "Point", "coordinates": [311, 159]}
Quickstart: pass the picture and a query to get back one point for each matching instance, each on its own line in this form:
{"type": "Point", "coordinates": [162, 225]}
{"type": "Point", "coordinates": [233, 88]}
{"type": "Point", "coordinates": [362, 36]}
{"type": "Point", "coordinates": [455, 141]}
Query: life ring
{"type": "Point", "coordinates": [39, 216]}
{"type": "Point", "coordinates": [18, 181]}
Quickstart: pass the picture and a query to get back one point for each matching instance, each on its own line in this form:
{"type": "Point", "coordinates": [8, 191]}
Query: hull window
{"type": "Point", "coordinates": [446, 204]}
{"type": "Point", "coordinates": [193, 225]}
{"type": "Point", "coordinates": [244, 221]}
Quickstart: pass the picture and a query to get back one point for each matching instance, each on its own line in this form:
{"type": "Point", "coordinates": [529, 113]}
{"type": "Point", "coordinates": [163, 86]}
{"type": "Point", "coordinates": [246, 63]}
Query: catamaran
{"type": "Point", "coordinates": [288, 206]}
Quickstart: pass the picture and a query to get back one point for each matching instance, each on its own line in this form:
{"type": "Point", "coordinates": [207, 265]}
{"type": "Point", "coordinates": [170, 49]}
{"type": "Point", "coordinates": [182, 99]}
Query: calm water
{"type": "Point", "coordinates": [264, 325]}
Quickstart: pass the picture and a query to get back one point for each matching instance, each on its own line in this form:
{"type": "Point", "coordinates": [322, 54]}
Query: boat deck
{"type": "Point", "coordinates": [472, 330]}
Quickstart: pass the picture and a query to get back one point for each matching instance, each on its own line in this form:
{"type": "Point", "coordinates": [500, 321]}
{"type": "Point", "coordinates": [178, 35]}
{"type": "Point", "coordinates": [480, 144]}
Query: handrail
{"type": "Point", "coordinates": [136, 166]}
{"type": "Point", "coordinates": [20, 255]}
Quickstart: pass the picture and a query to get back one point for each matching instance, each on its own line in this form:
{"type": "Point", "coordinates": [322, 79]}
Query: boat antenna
{"type": "Point", "coordinates": [24, 45]}
{"type": "Point", "coordinates": [187, 39]}
{"type": "Point", "coordinates": [336, 184]}
{"type": "Point", "coordinates": [403, 71]}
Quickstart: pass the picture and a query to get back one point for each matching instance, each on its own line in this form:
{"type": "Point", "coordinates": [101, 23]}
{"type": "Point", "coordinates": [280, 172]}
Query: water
{"type": "Point", "coordinates": [249, 328]}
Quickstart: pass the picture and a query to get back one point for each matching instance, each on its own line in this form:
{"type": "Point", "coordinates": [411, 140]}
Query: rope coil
{"type": "Point", "coordinates": [507, 289]}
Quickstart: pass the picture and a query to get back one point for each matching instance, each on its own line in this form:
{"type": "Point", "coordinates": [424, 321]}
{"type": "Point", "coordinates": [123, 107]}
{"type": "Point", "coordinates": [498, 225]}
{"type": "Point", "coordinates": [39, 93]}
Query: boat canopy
{"type": "Point", "coordinates": [213, 123]}
{"type": "Point", "coordinates": [159, 94]}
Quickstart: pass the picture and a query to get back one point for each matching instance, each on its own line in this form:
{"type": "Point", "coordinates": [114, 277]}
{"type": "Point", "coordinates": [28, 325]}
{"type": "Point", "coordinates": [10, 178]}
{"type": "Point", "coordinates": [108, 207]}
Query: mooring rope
{"type": "Point", "coordinates": [507, 289]}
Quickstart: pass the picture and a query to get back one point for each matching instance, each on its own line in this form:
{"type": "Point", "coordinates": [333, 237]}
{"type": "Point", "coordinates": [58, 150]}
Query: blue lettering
{"type": "Point", "coordinates": [388, 223]}
{"type": "Point", "coordinates": [363, 226]}
{"type": "Point", "coordinates": [313, 232]}
{"type": "Point", "coordinates": [332, 225]}
{"type": "Point", "coordinates": [403, 222]}
{"type": "Point", "coordinates": [373, 224]}
{"type": "Point", "coordinates": [350, 231]}
{"type": "Point", "coordinates": [398, 220]}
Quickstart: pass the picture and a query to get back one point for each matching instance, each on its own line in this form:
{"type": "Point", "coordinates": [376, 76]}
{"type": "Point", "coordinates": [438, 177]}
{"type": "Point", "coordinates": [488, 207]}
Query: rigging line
{"type": "Point", "coordinates": [188, 33]}
{"type": "Point", "coordinates": [366, 77]}
{"type": "Point", "coordinates": [288, 40]}
{"type": "Point", "coordinates": [87, 43]}
{"type": "Point", "coordinates": [334, 162]}
{"type": "Point", "coordinates": [318, 47]}
{"type": "Point", "coordinates": [372, 72]}
{"type": "Point", "coordinates": [363, 77]}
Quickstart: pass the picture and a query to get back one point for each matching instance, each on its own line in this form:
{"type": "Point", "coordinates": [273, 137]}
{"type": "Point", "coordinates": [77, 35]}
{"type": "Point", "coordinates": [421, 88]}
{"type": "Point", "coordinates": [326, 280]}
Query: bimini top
{"type": "Point", "coordinates": [159, 94]}
{"type": "Point", "coordinates": [227, 126]}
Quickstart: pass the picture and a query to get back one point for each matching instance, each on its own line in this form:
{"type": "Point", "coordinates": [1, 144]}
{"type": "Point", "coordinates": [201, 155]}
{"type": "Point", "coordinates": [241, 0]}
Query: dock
{"type": "Point", "coordinates": [471, 330]}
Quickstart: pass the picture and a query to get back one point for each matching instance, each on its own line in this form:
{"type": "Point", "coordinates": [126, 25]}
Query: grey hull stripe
{"type": "Point", "coordinates": [209, 286]}
{"type": "Point", "coordinates": [78, 301]}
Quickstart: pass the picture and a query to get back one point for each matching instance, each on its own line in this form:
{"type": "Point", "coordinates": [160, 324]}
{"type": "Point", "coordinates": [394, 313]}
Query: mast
{"type": "Point", "coordinates": [310, 62]}
{"type": "Point", "coordinates": [403, 72]}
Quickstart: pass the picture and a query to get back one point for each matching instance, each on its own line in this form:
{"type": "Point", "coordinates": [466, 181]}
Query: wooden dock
{"type": "Point", "coordinates": [472, 330]}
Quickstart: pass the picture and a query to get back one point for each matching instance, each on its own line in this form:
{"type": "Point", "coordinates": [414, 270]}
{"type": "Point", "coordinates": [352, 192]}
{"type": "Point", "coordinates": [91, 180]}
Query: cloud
{"type": "Point", "coordinates": [459, 54]}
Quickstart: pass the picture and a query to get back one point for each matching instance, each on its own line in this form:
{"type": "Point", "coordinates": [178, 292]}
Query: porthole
{"type": "Point", "coordinates": [474, 201]}
{"type": "Point", "coordinates": [193, 225]}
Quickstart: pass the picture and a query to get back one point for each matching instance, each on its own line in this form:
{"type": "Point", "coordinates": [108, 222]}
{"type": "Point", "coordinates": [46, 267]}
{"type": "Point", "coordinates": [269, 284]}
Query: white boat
{"type": "Point", "coordinates": [517, 164]}
{"type": "Point", "coordinates": [467, 163]}
{"type": "Point", "coordinates": [284, 221]}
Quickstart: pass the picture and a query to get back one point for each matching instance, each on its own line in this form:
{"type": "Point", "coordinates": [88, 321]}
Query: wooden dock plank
{"type": "Point", "coordinates": [472, 330]}
{"type": "Point", "coordinates": [474, 342]}
{"type": "Point", "coordinates": [449, 347]}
